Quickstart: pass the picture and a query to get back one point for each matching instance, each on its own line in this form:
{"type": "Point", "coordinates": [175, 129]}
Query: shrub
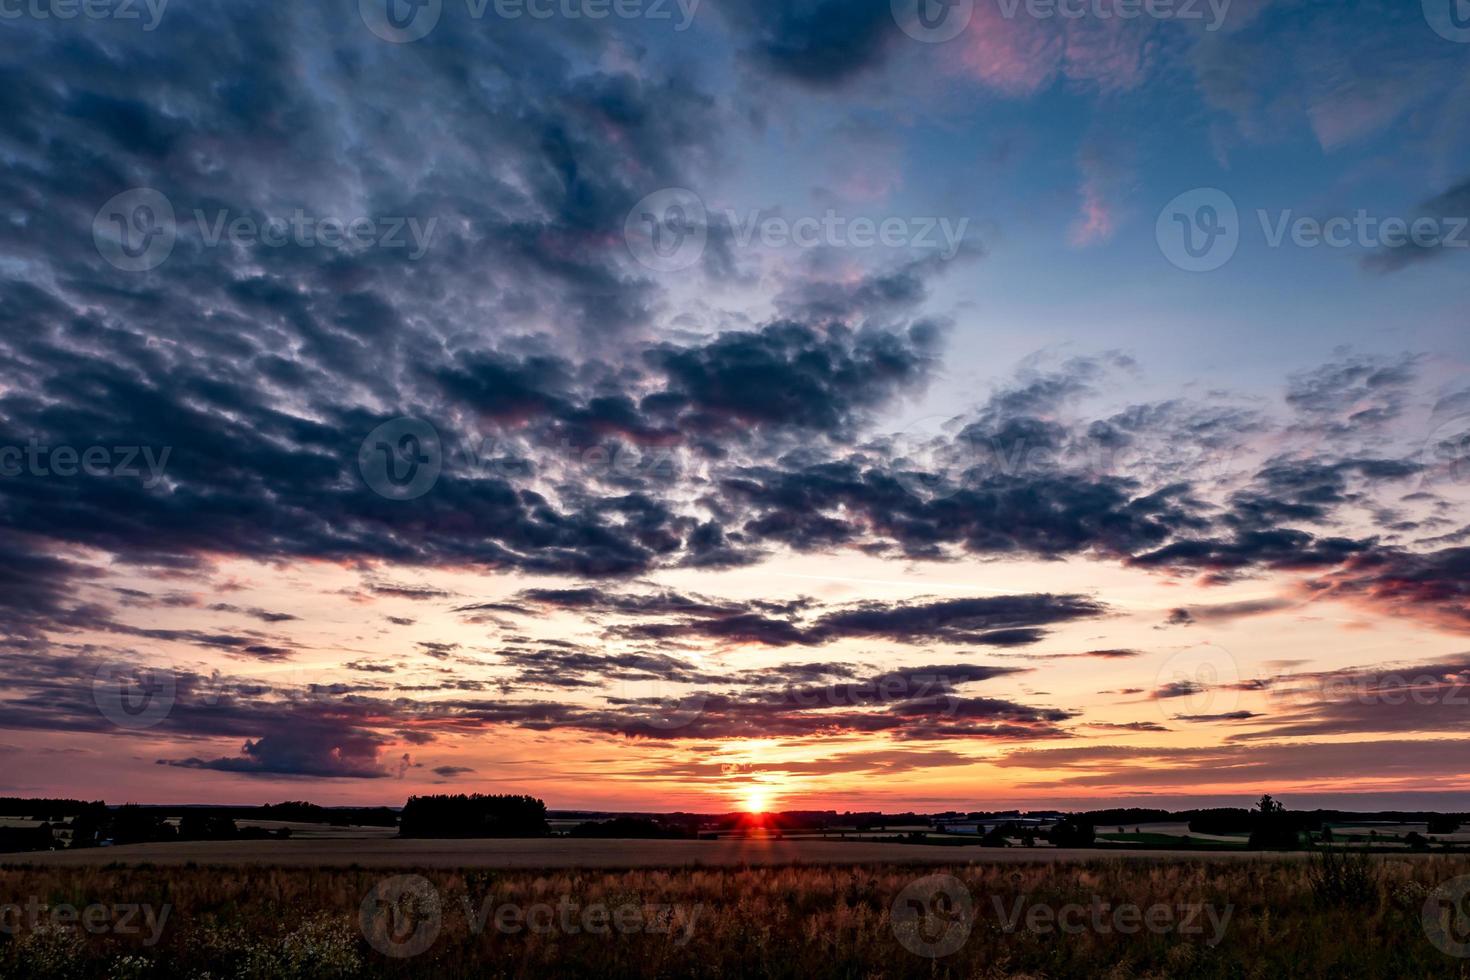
{"type": "Point", "coordinates": [1069, 832]}
{"type": "Point", "coordinates": [1341, 878]}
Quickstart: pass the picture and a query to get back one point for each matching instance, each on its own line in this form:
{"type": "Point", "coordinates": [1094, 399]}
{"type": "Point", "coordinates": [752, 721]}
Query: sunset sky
{"type": "Point", "coordinates": [747, 403]}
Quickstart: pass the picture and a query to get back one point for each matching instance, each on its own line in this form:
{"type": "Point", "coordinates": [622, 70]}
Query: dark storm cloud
{"type": "Point", "coordinates": [818, 43]}
{"type": "Point", "coordinates": [418, 593]}
{"type": "Point", "coordinates": [920, 703]}
{"type": "Point", "coordinates": [1041, 515]}
{"type": "Point", "coordinates": [347, 731]}
{"type": "Point", "coordinates": [1399, 698]}
{"type": "Point", "coordinates": [1127, 768]}
{"type": "Point", "coordinates": [319, 750]}
{"type": "Point", "coordinates": [1445, 217]}
{"type": "Point", "coordinates": [954, 620]}
{"type": "Point", "coordinates": [1002, 621]}
{"type": "Point", "coordinates": [264, 615]}
{"type": "Point", "coordinates": [554, 667]}
{"type": "Point", "coordinates": [1353, 392]}
{"type": "Point", "coordinates": [1117, 654]}
{"type": "Point", "coordinates": [1226, 611]}
{"type": "Point", "coordinates": [253, 367]}
{"type": "Point", "coordinates": [821, 294]}
{"type": "Point", "coordinates": [320, 730]}
{"type": "Point", "coordinates": [1432, 587]}
{"type": "Point", "coordinates": [1131, 726]}
{"type": "Point", "coordinates": [261, 370]}
{"type": "Point", "coordinates": [787, 374]}
{"type": "Point", "coordinates": [252, 374]}
{"type": "Point", "coordinates": [1310, 490]}
{"type": "Point", "coordinates": [1282, 548]}
{"type": "Point", "coordinates": [368, 667]}
{"type": "Point", "coordinates": [884, 762]}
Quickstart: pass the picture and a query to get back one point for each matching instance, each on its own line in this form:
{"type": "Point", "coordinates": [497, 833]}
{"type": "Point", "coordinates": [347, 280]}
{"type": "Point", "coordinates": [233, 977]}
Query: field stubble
{"type": "Point", "coordinates": [808, 922]}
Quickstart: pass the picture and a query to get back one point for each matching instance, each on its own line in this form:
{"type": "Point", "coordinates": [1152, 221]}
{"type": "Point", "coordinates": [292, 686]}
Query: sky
{"type": "Point", "coordinates": [656, 405]}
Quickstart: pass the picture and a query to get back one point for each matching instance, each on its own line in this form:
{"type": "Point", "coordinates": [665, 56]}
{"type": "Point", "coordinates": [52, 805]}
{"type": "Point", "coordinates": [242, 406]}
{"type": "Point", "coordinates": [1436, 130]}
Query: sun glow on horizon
{"type": "Point", "coordinates": [757, 799]}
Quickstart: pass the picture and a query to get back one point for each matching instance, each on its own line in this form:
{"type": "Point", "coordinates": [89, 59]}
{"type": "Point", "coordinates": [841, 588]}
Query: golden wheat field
{"type": "Point", "coordinates": [1106, 918]}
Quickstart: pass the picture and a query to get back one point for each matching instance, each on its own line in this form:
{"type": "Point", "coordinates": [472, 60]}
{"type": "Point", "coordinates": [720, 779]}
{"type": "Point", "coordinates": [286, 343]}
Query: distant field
{"type": "Point", "coordinates": [319, 831]}
{"type": "Point", "coordinates": [562, 853]}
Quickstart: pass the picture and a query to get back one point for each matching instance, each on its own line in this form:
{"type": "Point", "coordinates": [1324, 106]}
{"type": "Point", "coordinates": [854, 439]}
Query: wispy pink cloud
{"type": "Point", "coordinates": [1095, 223]}
{"type": "Point", "coordinates": [1021, 55]}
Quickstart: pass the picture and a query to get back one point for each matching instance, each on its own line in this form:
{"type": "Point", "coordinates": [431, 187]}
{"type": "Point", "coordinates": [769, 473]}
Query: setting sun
{"type": "Point", "coordinates": [757, 799]}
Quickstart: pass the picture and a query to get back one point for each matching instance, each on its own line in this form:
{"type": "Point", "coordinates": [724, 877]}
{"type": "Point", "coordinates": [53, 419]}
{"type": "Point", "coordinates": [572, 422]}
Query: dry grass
{"type": "Point", "coordinates": [805, 922]}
